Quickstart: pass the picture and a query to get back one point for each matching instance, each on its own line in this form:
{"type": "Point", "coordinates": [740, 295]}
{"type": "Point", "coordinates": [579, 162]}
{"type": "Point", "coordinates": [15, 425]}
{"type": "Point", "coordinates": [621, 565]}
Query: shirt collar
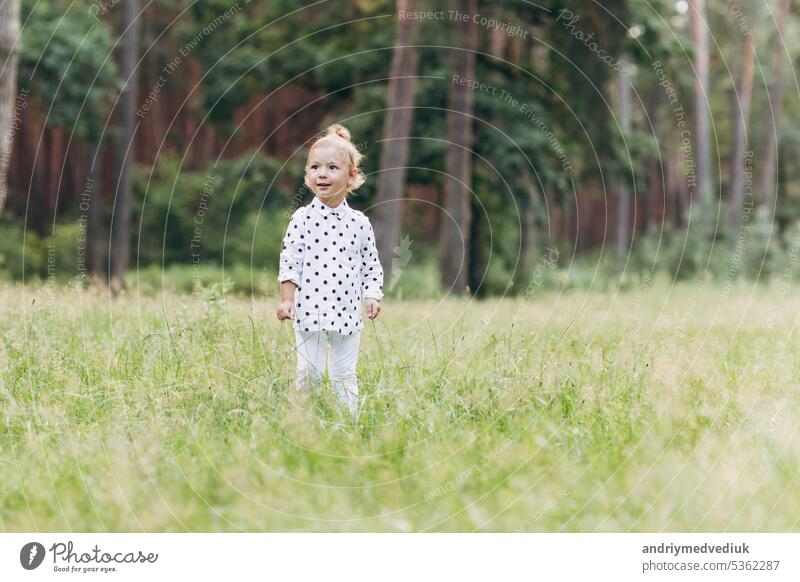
{"type": "Point", "coordinates": [325, 210]}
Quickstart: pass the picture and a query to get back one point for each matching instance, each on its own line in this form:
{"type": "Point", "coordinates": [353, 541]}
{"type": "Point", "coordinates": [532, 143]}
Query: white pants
{"type": "Point", "coordinates": [312, 347]}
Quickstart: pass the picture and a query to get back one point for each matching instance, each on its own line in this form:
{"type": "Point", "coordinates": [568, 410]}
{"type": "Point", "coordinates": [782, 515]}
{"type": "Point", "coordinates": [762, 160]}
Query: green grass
{"type": "Point", "coordinates": [660, 409]}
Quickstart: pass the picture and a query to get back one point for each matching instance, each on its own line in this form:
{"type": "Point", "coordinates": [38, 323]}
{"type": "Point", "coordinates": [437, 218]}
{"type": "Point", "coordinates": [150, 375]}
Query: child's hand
{"type": "Point", "coordinates": [285, 310]}
{"type": "Point", "coordinates": [373, 307]}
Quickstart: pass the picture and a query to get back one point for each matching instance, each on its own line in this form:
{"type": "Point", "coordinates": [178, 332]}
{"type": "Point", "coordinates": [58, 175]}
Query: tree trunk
{"type": "Point", "coordinates": [702, 142]}
{"type": "Point", "coordinates": [744, 92]}
{"type": "Point", "coordinates": [477, 261]}
{"type": "Point", "coordinates": [120, 243]}
{"type": "Point", "coordinates": [768, 194]}
{"type": "Point", "coordinates": [9, 49]}
{"type": "Point", "coordinates": [394, 150]}
{"type": "Point", "coordinates": [656, 172]}
{"type": "Point", "coordinates": [55, 160]}
{"type": "Point", "coordinates": [676, 184]}
{"type": "Point", "coordinates": [456, 225]}
{"type": "Point", "coordinates": [623, 226]}
{"type": "Point", "coordinates": [94, 248]}
{"type": "Point", "coordinates": [498, 41]}
{"type": "Point", "coordinates": [40, 195]}
{"type": "Point", "coordinates": [652, 185]}
{"type": "Point", "coordinates": [528, 237]}
{"type": "Point", "coordinates": [540, 51]}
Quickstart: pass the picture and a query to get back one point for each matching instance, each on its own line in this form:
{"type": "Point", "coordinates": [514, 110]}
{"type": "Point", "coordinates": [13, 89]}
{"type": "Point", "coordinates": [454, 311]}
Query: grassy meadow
{"type": "Point", "coordinates": [657, 409]}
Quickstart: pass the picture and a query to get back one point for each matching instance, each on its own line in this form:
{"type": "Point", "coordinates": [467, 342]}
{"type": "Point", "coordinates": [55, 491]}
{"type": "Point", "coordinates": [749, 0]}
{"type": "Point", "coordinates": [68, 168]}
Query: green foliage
{"type": "Point", "coordinates": [545, 132]}
{"type": "Point", "coordinates": [66, 61]}
{"type": "Point", "coordinates": [709, 249]}
{"type": "Point", "coordinates": [21, 253]}
{"type": "Point", "coordinates": [26, 255]}
{"type": "Point", "coordinates": [417, 280]}
{"type": "Point", "coordinates": [325, 47]}
{"type": "Point", "coordinates": [234, 211]}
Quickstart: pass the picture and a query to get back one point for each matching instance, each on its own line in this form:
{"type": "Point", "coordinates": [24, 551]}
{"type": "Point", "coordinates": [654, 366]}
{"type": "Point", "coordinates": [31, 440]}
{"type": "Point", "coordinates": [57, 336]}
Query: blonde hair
{"type": "Point", "coordinates": [339, 136]}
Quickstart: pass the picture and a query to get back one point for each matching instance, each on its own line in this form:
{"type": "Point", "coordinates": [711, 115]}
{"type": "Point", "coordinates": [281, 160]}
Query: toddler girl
{"type": "Point", "coordinates": [329, 257]}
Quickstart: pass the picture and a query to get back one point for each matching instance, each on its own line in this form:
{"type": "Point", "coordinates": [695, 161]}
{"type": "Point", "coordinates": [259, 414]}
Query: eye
{"type": "Point", "coordinates": [313, 166]}
{"type": "Point", "coordinates": [333, 167]}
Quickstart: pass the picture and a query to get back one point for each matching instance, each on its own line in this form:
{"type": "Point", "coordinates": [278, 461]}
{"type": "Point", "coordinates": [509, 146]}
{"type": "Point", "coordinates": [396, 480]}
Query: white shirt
{"type": "Point", "coordinates": [330, 254]}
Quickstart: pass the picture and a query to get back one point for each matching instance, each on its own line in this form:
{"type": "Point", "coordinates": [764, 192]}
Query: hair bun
{"type": "Point", "coordinates": [338, 136]}
{"type": "Point", "coordinates": [338, 129]}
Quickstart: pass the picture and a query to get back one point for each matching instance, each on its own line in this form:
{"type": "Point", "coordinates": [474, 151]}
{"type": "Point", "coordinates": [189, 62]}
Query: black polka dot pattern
{"type": "Point", "coordinates": [330, 254]}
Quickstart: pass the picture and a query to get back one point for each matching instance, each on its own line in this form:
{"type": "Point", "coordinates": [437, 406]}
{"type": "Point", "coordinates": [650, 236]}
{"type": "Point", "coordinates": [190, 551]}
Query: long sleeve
{"type": "Point", "coordinates": [292, 250]}
{"type": "Point", "coordinates": [371, 270]}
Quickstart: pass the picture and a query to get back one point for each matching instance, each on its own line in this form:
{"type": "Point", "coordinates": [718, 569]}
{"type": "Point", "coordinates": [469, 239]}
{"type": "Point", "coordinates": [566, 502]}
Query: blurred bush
{"type": "Point", "coordinates": [235, 211]}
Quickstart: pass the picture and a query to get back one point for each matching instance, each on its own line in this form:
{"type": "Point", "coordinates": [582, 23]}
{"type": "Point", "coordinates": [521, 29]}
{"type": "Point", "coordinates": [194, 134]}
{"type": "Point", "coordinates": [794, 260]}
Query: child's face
{"type": "Point", "coordinates": [328, 171]}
